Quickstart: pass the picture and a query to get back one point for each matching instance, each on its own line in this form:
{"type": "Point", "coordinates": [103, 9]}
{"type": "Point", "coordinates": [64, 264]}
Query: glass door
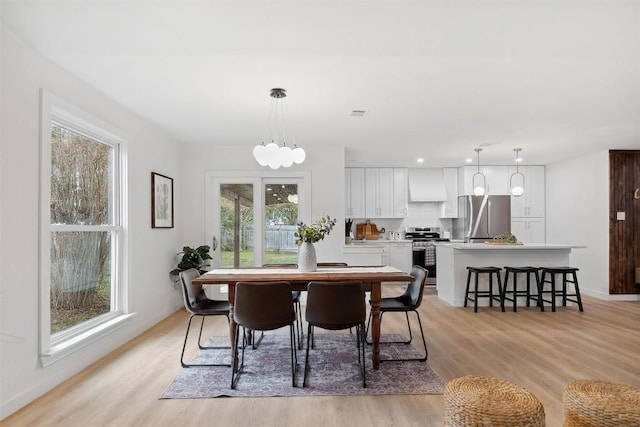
{"type": "Point", "coordinates": [251, 221]}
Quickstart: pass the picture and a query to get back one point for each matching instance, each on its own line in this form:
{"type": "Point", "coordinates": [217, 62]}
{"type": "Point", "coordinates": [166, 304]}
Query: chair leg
{"type": "Point", "coordinates": [362, 361]}
{"type": "Point", "coordinates": [300, 333]}
{"type": "Point", "coordinates": [202, 347]}
{"type": "Point", "coordinates": [234, 355]}
{"type": "Point", "coordinates": [294, 355]}
{"type": "Point", "coordinates": [424, 342]}
{"type": "Point", "coordinates": [306, 359]}
{"type": "Point", "coordinates": [184, 346]}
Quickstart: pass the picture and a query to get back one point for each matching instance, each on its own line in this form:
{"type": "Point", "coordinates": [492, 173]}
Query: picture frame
{"type": "Point", "coordinates": [161, 201]}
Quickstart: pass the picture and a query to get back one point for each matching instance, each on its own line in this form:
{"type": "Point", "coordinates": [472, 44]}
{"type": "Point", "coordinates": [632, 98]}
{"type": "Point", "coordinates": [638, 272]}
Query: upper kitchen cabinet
{"type": "Point", "coordinates": [497, 179]}
{"type": "Point", "coordinates": [355, 192]}
{"type": "Point", "coordinates": [531, 203]}
{"type": "Point", "coordinates": [376, 192]}
{"type": "Point", "coordinates": [449, 208]}
{"type": "Point", "coordinates": [400, 192]}
{"type": "Point", "coordinates": [378, 197]}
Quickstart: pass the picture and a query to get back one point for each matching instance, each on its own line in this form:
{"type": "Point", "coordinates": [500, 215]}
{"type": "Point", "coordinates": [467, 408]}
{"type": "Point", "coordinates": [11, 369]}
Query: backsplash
{"type": "Point", "coordinates": [419, 215]}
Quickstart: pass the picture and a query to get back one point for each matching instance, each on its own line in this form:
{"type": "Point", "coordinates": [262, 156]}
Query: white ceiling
{"type": "Point", "coordinates": [437, 78]}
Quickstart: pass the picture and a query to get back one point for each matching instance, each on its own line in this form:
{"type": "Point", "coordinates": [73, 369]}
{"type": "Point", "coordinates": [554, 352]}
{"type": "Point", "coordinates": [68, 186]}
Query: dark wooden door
{"type": "Point", "coordinates": [624, 234]}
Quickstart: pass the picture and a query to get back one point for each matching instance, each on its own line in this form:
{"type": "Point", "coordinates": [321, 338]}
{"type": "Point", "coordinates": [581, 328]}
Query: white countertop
{"type": "Point", "coordinates": [526, 246]}
{"type": "Point", "coordinates": [360, 242]}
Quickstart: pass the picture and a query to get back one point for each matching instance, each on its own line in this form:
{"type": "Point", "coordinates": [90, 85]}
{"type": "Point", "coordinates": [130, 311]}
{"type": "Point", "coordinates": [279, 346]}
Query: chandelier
{"type": "Point", "coordinates": [277, 153]}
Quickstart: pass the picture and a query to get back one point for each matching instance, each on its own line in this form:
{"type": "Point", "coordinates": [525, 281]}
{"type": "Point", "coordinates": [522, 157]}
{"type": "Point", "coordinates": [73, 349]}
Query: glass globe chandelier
{"type": "Point", "coordinates": [273, 154]}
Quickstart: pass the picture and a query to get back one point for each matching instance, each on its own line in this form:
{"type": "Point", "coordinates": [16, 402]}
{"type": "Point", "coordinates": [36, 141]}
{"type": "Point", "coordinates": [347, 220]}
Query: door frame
{"type": "Point", "coordinates": [258, 178]}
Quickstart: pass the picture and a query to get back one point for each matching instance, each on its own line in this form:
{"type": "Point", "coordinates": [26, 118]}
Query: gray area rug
{"type": "Point", "coordinates": [333, 371]}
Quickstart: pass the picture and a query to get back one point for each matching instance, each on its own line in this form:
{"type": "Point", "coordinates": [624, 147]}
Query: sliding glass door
{"type": "Point", "coordinates": [251, 221]}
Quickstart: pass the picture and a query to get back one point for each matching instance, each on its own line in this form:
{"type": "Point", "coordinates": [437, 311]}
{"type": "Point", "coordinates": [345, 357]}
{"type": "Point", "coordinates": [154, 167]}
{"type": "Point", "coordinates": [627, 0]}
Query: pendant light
{"type": "Point", "coordinates": [516, 180]}
{"type": "Point", "coordinates": [273, 154]}
{"type": "Point", "coordinates": [479, 182]}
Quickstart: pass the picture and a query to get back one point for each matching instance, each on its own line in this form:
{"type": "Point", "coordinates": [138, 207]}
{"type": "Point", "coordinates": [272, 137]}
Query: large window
{"type": "Point", "coordinates": [82, 280]}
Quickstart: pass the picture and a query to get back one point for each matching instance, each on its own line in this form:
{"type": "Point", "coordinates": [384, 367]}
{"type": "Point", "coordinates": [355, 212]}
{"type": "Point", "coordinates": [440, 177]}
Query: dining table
{"type": "Point", "coordinates": [372, 279]}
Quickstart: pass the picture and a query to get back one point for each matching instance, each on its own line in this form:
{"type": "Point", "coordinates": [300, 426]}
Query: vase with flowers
{"type": "Point", "coordinates": [306, 236]}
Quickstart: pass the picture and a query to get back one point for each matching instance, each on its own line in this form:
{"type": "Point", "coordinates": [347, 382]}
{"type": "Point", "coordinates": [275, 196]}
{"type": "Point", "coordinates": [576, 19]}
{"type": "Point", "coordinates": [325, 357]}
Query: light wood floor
{"type": "Point", "coordinates": [540, 351]}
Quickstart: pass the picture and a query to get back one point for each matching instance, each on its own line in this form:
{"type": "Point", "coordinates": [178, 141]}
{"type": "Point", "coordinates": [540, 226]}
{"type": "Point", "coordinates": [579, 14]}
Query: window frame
{"type": "Point", "coordinates": [53, 347]}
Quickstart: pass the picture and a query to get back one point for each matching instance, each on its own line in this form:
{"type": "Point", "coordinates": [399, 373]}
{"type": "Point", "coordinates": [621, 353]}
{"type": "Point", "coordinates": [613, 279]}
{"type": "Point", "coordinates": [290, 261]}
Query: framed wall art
{"type": "Point", "coordinates": [161, 201]}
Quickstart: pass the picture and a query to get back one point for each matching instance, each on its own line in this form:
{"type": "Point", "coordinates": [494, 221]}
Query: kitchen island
{"type": "Point", "coordinates": [453, 259]}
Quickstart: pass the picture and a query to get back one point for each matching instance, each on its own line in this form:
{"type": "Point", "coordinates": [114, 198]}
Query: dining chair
{"type": "Point", "coordinates": [410, 300]}
{"type": "Point", "coordinates": [263, 306]}
{"type": "Point", "coordinates": [296, 303]}
{"type": "Point", "coordinates": [336, 306]}
{"type": "Point", "coordinates": [198, 304]}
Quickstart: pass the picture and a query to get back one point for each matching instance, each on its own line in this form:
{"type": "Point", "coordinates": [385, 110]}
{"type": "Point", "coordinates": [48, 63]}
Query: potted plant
{"type": "Point", "coordinates": [192, 258]}
{"type": "Point", "coordinates": [306, 236]}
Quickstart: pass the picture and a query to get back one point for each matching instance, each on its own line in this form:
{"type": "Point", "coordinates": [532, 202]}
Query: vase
{"type": "Point", "coordinates": [307, 257]}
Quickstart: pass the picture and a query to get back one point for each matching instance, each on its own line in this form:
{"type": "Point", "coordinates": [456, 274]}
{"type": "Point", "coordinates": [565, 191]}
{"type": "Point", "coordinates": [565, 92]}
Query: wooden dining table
{"type": "Point", "coordinates": [371, 278]}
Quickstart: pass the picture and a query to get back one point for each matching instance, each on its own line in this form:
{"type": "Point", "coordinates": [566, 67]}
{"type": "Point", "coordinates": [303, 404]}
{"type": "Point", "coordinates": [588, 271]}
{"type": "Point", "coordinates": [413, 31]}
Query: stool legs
{"type": "Point", "coordinates": [551, 280]}
{"type": "Point", "coordinates": [515, 292]}
{"type": "Point", "coordinates": [490, 294]}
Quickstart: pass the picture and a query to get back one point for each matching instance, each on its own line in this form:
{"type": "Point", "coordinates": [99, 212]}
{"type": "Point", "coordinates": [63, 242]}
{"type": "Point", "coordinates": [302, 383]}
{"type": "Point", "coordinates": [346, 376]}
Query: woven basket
{"type": "Point", "coordinates": [486, 401]}
{"type": "Point", "coordinates": [591, 403]}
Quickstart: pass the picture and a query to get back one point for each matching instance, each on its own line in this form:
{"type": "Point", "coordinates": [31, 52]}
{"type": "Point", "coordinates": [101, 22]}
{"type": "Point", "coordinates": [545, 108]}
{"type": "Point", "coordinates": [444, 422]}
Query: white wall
{"type": "Point", "coordinates": [577, 204]}
{"type": "Point", "coordinates": [325, 165]}
{"type": "Point", "coordinates": [152, 295]}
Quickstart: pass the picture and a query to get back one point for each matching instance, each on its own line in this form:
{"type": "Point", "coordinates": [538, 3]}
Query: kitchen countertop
{"type": "Point", "coordinates": [526, 246]}
{"type": "Point", "coordinates": [360, 242]}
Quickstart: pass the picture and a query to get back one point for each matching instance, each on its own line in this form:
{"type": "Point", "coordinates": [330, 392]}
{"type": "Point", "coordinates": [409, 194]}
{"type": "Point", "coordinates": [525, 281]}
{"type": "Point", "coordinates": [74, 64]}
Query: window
{"type": "Point", "coordinates": [82, 268]}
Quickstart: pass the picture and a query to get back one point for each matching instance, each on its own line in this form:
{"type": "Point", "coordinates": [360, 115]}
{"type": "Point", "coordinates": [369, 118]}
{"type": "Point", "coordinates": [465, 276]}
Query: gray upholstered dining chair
{"type": "Point", "coordinates": [261, 306]}
{"type": "Point", "coordinates": [198, 304]}
{"type": "Point", "coordinates": [410, 300]}
{"type": "Point", "coordinates": [336, 306]}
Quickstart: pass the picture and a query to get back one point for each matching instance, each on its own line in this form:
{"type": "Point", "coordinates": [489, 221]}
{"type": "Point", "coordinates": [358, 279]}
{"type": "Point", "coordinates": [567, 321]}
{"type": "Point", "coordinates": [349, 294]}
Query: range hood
{"type": "Point", "coordinates": [426, 185]}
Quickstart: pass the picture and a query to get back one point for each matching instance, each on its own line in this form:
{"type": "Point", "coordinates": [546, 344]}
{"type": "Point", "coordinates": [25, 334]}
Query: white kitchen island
{"type": "Point", "coordinates": [454, 258]}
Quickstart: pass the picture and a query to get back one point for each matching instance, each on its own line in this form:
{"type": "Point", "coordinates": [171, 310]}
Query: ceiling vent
{"type": "Point", "coordinates": [358, 113]}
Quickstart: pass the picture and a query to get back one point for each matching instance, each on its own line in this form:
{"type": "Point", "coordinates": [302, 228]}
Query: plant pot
{"type": "Point", "coordinates": [307, 261]}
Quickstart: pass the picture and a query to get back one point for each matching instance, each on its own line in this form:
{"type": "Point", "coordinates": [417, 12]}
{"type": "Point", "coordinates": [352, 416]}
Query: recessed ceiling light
{"type": "Point", "coordinates": [468, 160]}
{"type": "Point", "coordinates": [358, 113]}
{"type": "Point", "coordinates": [420, 160]}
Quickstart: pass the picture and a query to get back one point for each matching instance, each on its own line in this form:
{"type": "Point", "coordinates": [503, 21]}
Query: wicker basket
{"type": "Point", "coordinates": [486, 401]}
{"type": "Point", "coordinates": [591, 403]}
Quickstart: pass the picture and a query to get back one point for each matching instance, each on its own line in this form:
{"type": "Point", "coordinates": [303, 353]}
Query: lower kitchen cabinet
{"type": "Point", "coordinates": [397, 254]}
{"type": "Point", "coordinates": [363, 254]}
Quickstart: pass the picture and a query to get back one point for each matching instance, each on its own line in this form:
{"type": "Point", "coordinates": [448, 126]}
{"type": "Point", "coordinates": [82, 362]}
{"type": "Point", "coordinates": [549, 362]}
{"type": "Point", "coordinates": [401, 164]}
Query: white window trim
{"type": "Point", "coordinates": [54, 109]}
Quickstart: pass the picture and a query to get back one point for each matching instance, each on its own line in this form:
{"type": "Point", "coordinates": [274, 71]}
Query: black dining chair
{"type": "Point", "coordinates": [263, 306]}
{"type": "Point", "coordinates": [296, 303]}
{"type": "Point", "coordinates": [198, 304]}
{"type": "Point", "coordinates": [410, 300]}
{"type": "Point", "coordinates": [336, 306]}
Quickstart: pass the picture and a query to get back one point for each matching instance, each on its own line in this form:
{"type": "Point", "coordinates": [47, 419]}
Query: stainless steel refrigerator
{"type": "Point", "coordinates": [482, 218]}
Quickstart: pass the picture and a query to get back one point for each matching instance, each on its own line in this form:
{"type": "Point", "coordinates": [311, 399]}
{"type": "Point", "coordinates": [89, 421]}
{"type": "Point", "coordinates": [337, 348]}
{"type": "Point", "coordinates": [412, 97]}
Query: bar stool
{"type": "Point", "coordinates": [549, 276]}
{"type": "Point", "coordinates": [515, 292]}
{"type": "Point", "coordinates": [484, 294]}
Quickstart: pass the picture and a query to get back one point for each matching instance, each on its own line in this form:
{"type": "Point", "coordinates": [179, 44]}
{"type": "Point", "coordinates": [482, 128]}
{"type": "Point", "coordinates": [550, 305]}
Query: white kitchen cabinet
{"type": "Point", "coordinates": [528, 230]}
{"type": "Point", "coordinates": [496, 179]}
{"type": "Point", "coordinates": [531, 203]}
{"type": "Point", "coordinates": [400, 192]}
{"type": "Point", "coordinates": [378, 192]}
{"type": "Point", "coordinates": [401, 255]}
{"type": "Point", "coordinates": [355, 192]}
{"type": "Point", "coordinates": [363, 254]}
{"type": "Point", "coordinates": [449, 208]}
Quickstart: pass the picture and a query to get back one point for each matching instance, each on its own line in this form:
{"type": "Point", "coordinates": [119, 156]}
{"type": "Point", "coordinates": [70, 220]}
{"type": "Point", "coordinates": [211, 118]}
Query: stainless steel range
{"type": "Point", "coordinates": [424, 246]}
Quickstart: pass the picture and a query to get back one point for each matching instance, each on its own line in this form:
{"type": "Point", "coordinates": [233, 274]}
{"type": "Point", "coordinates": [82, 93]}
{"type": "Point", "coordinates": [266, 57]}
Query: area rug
{"type": "Point", "coordinates": [333, 371]}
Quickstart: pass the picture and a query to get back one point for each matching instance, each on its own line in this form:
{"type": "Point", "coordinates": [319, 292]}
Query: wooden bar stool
{"type": "Point", "coordinates": [549, 276]}
{"type": "Point", "coordinates": [526, 293]}
{"type": "Point", "coordinates": [485, 401]}
{"type": "Point", "coordinates": [484, 294]}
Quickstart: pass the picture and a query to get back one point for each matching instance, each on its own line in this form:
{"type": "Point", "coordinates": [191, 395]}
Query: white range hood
{"type": "Point", "coordinates": [426, 185]}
